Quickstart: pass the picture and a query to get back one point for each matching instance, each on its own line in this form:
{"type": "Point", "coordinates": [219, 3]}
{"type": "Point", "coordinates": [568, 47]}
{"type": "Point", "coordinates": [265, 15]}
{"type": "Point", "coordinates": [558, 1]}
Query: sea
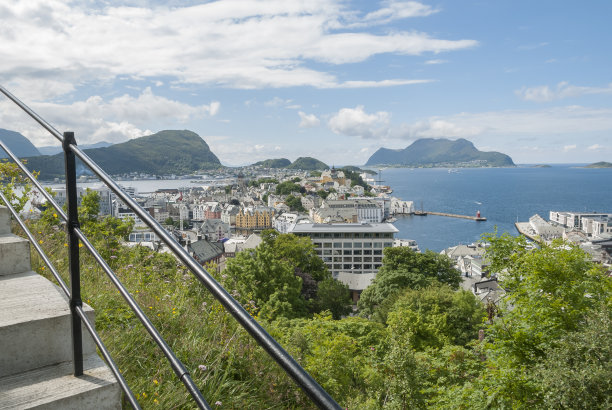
{"type": "Point", "coordinates": [502, 195]}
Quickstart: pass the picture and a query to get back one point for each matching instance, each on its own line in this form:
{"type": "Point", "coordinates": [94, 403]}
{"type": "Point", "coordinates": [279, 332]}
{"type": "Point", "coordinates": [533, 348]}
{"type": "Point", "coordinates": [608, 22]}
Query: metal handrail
{"type": "Point", "coordinates": [312, 389]}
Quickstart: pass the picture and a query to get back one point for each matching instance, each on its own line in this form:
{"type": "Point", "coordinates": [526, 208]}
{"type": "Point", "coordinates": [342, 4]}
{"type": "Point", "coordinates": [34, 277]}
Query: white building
{"type": "Point", "coordinates": [545, 230]}
{"type": "Point", "coordinates": [284, 223]}
{"type": "Point", "coordinates": [352, 252]}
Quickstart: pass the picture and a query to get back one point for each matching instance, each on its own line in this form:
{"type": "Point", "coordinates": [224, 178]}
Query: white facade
{"type": "Point", "coordinates": [350, 249]}
{"type": "Point", "coordinates": [543, 229]}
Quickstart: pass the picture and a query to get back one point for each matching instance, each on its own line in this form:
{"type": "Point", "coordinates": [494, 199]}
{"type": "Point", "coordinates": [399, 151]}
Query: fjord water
{"type": "Point", "coordinates": [502, 195]}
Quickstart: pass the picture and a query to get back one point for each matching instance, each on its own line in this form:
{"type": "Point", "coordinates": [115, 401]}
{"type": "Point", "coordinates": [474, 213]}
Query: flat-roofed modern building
{"type": "Point", "coordinates": [352, 252]}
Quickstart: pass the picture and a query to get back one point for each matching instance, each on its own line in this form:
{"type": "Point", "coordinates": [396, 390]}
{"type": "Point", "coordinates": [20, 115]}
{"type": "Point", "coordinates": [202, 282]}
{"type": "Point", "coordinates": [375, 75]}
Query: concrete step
{"type": "Point", "coordinates": [35, 324]}
{"type": "Point", "coordinates": [54, 387]}
{"type": "Point", "coordinates": [14, 254]}
{"type": "Point", "coordinates": [5, 220]}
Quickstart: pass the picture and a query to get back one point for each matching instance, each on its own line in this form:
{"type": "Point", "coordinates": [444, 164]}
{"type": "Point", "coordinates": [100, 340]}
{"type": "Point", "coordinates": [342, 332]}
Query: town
{"type": "Point", "coordinates": [346, 213]}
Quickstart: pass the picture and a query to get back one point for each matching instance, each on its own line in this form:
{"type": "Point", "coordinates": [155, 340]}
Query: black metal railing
{"type": "Point", "coordinates": [71, 151]}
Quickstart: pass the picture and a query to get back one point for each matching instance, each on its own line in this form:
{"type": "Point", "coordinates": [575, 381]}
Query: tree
{"type": "Point", "coordinates": [295, 203]}
{"type": "Point", "coordinates": [282, 277]}
{"type": "Point", "coordinates": [404, 268]}
{"type": "Point", "coordinates": [287, 187]}
{"type": "Point", "coordinates": [545, 330]}
{"type": "Point", "coordinates": [12, 179]}
{"type": "Point", "coordinates": [437, 316]}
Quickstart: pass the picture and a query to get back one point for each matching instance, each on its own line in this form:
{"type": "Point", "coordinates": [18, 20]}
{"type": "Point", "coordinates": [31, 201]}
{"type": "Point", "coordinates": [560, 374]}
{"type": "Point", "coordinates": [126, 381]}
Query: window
{"type": "Point", "coordinates": [327, 245]}
{"type": "Point", "coordinates": [378, 244]}
{"type": "Point", "coordinates": [357, 245]}
{"type": "Point", "coordinates": [348, 244]}
{"type": "Point", "coordinates": [337, 244]}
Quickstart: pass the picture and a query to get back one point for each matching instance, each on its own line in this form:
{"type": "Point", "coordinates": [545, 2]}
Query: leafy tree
{"type": "Point", "coordinates": [322, 193]}
{"type": "Point", "coordinates": [437, 316]}
{"type": "Point", "coordinates": [295, 203]}
{"type": "Point", "coordinates": [12, 178]}
{"type": "Point", "coordinates": [274, 274]}
{"type": "Point", "coordinates": [404, 268]}
{"type": "Point", "coordinates": [287, 187]}
{"type": "Point", "coordinates": [332, 296]}
{"type": "Point", "coordinates": [545, 329]}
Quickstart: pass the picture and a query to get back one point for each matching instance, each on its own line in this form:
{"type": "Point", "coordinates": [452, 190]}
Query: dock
{"type": "Point", "coordinates": [525, 229]}
{"type": "Point", "coordinates": [473, 218]}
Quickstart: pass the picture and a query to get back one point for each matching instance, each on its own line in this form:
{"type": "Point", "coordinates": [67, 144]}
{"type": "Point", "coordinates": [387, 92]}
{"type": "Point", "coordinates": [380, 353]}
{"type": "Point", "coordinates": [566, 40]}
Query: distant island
{"type": "Point", "coordinates": [601, 164]}
{"type": "Point", "coordinates": [542, 166]}
{"type": "Point", "coordinates": [430, 152]}
{"type": "Point", "coordinates": [273, 163]}
{"type": "Point", "coordinates": [164, 153]}
{"type": "Point", "coordinates": [303, 163]}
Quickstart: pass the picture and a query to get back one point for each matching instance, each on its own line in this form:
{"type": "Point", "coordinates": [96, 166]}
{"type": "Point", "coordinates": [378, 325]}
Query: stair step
{"type": "Point", "coordinates": [5, 220]}
{"type": "Point", "coordinates": [54, 387]}
{"type": "Point", "coordinates": [35, 324]}
{"type": "Point", "coordinates": [14, 254]}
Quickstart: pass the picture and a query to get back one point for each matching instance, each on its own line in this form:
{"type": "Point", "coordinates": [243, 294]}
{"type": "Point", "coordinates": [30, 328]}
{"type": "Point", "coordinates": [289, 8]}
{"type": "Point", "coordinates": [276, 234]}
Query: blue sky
{"type": "Point", "coordinates": [335, 80]}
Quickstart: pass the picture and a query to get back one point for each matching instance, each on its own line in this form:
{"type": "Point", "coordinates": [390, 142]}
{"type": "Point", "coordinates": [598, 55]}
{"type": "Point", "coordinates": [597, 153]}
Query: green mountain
{"type": "Point", "coordinates": [601, 164]}
{"type": "Point", "coordinates": [20, 145]}
{"type": "Point", "coordinates": [56, 149]}
{"type": "Point", "coordinates": [441, 152]}
{"type": "Point", "coordinates": [163, 153]}
{"type": "Point", "coordinates": [273, 163]}
{"type": "Point", "coordinates": [308, 164]}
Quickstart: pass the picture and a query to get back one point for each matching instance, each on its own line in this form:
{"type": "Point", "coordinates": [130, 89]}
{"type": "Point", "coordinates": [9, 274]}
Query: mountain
{"type": "Point", "coordinates": [601, 164]}
{"type": "Point", "coordinates": [308, 164]}
{"type": "Point", "coordinates": [20, 145]}
{"type": "Point", "coordinates": [273, 163]}
{"type": "Point", "coordinates": [431, 152]}
{"type": "Point", "coordinates": [163, 153]}
{"type": "Point", "coordinates": [53, 149]}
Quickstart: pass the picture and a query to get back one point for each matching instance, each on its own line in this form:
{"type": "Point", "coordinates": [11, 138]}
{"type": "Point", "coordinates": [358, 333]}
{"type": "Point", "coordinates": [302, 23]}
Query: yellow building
{"type": "Point", "coordinates": [333, 175]}
{"type": "Point", "coordinates": [254, 218]}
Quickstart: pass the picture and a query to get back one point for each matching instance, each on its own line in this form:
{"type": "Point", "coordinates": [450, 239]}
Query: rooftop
{"type": "Point", "coordinates": [351, 227]}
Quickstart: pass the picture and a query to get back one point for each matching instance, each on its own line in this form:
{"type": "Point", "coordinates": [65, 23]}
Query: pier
{"type": "Point", "coordinates": [473, 218]}
{"type": "Point", "coordinates": [527, 231]}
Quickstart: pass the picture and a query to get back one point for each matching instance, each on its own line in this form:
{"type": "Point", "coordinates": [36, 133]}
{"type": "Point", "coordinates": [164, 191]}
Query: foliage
{"type": "Point", "coordinates": [355, 178]}
{"type": "Point", "coordinates": [16, 187]}
{"type": "Point", "coordinates": [295, 203]}
{"type": "Point", "coordinates": [437, 316]}
{"type": "Point", "coordinates": [404, 268]}
{"type": "Point", "coordinates": [271, 279]}
{"type": "Point", "coordinates": [287, 187]}
{"type": "Point", "coordinates": [264, 180]}
{"type": "Point", "coordinates": [322, 193]}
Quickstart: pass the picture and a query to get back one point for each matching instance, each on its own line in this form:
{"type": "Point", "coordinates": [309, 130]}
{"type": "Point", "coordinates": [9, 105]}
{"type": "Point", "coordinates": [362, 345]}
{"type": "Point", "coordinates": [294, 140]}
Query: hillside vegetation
{"type": "Point", "coordinates": [439, 152]}
{"type": "Point", "coordinates": [273, 163]}
{"type": "Point", "coordinates": [308, 164]}
{"type": "Point", "coordinates": [166, 152]}
{"type": "Point", "coordinates": [549, 345]}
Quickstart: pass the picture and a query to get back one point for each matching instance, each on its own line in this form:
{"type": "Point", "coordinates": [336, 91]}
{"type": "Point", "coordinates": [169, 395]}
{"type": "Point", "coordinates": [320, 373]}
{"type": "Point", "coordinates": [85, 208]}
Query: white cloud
{"type": "Point", "coordinates": [562, 90]}
{"type": "Point", "coordinates": [74, 42]}
{"type": "Point", "coordinates": [378, 84]}
{"type": "Point", "coordinates": [308, 120]}
{"type": "Point", "coordinates": [97, 119]}
{"type": "Point", "coordinates": [595, 147]}
{"type": "Point", "coordinates": [568, 148]}
{"type": "Point", "coordinates": [436, 61]}
{"type": "Point", "coordinates": [356, 122]}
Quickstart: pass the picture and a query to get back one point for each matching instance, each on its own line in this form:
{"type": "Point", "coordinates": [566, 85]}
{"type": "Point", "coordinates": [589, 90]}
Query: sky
{"type": "Point", "coordinates": [334, 80]}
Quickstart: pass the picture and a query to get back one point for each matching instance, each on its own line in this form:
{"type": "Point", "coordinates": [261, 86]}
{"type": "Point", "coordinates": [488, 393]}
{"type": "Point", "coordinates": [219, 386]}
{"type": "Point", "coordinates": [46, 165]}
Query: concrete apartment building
{"type": "Point", "coordinates": [352, 252]}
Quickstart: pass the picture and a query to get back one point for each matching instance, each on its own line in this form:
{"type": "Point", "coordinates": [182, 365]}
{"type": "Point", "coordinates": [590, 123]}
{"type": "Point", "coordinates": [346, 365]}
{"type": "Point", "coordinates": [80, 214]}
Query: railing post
{"type": "Point", "coordinates": [73, 248]}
